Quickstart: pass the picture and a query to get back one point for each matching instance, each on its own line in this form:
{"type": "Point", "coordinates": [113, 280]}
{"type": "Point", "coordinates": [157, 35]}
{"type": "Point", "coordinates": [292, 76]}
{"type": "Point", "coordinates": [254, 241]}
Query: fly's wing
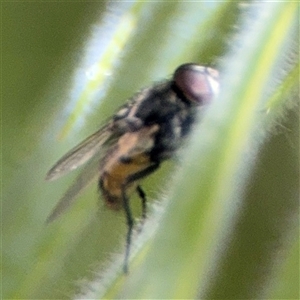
{"type": "Point", "coordinates": [81, 153]}
{"type": "Point", "coordinates": [88, 174]}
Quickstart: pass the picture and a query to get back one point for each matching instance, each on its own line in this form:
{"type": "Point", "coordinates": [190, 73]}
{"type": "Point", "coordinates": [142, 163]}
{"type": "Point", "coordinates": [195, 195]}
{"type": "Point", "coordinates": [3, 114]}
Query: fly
{"type": "Point", "coordinates": [144, 132]}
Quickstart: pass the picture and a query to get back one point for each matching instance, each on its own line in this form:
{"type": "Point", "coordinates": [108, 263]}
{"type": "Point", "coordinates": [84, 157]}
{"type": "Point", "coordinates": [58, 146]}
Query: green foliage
{"type": "Point", "coordinates": [226, 224]}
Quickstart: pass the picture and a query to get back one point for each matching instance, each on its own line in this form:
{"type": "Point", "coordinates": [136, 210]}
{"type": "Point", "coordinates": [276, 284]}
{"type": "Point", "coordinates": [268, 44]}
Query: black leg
{"type": "Point", "coordinates": [142, 173]}
{"type": "Point", "coordinates": [129, 220]}
{"type": "Point", "coordinates": [142, 195]}
{"type": "Point", "coordinates": [126, 206]}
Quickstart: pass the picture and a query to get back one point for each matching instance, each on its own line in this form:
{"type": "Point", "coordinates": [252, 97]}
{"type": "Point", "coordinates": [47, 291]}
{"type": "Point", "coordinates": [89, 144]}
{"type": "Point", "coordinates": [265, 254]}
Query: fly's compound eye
{"type": "Point", "coordinates": [198, 84]}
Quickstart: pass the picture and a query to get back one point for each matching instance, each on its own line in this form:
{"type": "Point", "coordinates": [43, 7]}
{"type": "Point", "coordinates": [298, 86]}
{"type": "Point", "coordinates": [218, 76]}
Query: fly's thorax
{"type": "Point", "coordinates": [188, 93]}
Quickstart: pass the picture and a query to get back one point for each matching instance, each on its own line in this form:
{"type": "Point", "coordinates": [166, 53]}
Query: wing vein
{"type": "Point", "coordinates": [80, 154]}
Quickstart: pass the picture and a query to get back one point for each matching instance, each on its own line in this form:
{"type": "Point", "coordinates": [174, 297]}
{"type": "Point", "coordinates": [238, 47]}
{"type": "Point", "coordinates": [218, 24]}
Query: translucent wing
{"type": "Point", "coordinates": [88, 174]}
{"type": "Point", "coordinates": [80, 154]}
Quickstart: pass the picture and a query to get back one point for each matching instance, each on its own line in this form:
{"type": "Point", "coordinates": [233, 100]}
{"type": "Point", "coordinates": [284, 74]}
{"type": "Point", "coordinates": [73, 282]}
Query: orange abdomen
{"type": "Point", "coordinates": [128, 157]}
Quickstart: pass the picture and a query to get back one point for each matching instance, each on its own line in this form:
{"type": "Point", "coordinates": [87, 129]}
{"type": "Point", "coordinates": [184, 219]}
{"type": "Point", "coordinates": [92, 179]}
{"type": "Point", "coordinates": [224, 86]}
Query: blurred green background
{"type": "Point", "coordinates": [42, 43]}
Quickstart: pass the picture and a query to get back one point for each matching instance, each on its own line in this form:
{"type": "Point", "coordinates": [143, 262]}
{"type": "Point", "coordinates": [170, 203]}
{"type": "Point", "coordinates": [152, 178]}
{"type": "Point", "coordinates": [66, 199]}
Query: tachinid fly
{"type": "Point", "coordinates": [144, 132]}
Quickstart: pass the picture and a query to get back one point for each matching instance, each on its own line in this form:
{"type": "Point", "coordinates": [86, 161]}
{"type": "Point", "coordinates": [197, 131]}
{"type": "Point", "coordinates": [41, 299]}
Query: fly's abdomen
{"type": "Point", "coordinates": [115, 178]}
{"type": "Point", "coordinates": [124, 162]}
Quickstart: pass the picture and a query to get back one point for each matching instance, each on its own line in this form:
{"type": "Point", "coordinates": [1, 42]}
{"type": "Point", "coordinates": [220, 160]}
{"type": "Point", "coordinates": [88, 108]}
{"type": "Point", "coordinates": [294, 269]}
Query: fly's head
{"type": "Point", "coordinates": [198, 84]}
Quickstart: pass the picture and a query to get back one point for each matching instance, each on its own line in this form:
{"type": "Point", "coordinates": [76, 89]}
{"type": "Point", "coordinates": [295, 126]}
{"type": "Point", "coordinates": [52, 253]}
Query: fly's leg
{"type": "Point", "coordinates": [126, 206]}
{"type": "Point", "coordinates": [130, 222]}
{"type": "Point", "coordinates": [139, 190]}
{"type": "Point", "coordinates": [143, 198]}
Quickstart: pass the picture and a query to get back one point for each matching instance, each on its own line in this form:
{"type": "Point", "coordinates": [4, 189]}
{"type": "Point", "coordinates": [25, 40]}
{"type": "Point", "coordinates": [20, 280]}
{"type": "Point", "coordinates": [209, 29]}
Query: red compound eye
{"type": "Point", "coordinates": [199, 84]}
